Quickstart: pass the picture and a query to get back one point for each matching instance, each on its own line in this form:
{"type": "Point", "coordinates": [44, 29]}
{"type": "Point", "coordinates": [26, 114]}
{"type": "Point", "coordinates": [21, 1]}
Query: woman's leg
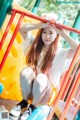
{"type": "Point", "coordinates": [41, 90]}
{"type": "Point", "coordinates": [26, 77]}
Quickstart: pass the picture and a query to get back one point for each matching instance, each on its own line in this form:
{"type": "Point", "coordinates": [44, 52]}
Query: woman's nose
{"type": "Point", "coordinates": [47, 36]}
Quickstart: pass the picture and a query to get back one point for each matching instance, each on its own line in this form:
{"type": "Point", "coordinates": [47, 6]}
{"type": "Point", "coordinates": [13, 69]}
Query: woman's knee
{"type": "Point", "coordinates": [26, 78]}
{"type": "Point", "coordinates": [41, 77]}
{"type": "Point", "coordinates": [40, 88]}
{"type": "Point", "coordinates": [27, 73]}
{"type": "Point", "coordinates": [42, 81]}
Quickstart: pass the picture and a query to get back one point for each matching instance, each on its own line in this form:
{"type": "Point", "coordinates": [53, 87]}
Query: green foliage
{"type": "Point", "coordinates": [67, 10]}
{"type": "Point", "coordinates": [28, 4]}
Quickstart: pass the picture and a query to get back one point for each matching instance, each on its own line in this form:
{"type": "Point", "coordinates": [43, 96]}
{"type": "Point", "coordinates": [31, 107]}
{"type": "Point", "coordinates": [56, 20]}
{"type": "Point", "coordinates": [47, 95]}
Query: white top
{"type": "Point", "coordinates": [41, 57]}
{"type": "Point", "coordinates": [59, 66]}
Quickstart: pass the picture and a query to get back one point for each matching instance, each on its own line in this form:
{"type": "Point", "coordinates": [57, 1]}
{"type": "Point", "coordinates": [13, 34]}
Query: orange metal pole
{"type": "Point", "coordinates": [64, 84]}
{"type": "Point", "coordinates": [77, 99]}
{"type": "Point", "coordinates": [11, 42]}
{"type": "Point", "coordinates": [44, 20]}
{"type": "Point", "coordinates": [70, 96]}
{"type": "Point", "coordinates": [78, 94]}
{"type": "Point", "coordinates": [62, 78]}
{"type": "Point", "coordinates": [7, 29]}
{"type": "Point", "coordinates": [69, 82]}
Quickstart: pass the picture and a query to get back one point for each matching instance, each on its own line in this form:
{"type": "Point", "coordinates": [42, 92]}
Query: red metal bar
{"type": "Point", "coordinates": [44, 20]}
{"type": "Point", "coordinates": [11, 42]}
{"type": "Point", "coordinates": [69, 83]}
{"type": "Point", "coordinates": [62, 78]}
{"type": "Point", "coordinates": [76, 100]}
{"type": "Point", "coordinates": [78, 95]}
{"type": "Point", "coordinates": [64, 84]}
{"type": "Point", "coordinates": [79, 105]}
{"type": "Point", "coordinates": [7, 29]}
{"type": "Point", "coordinates": [70, 96]}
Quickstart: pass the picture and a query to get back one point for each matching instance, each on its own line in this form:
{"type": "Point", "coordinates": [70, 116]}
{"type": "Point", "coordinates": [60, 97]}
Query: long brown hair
{"type": "Point", "coordinates": [35, 50]}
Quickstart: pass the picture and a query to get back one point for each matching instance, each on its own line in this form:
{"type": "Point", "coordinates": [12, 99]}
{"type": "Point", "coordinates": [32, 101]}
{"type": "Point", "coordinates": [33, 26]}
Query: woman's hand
{"type": "Point", "coordinates": [59, 31]}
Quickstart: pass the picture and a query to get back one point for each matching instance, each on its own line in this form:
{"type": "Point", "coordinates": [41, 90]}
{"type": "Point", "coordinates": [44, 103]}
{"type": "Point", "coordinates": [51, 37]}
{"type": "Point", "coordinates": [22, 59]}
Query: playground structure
{"type": "Point", "coordinates": [71, 77]}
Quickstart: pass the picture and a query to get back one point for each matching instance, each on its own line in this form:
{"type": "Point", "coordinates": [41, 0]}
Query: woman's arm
{"type": "Point", "coordinates": [30, 26]}
{"type": "Point", "coordinates": [67, 37]}
{"type": "Point", "coordinates": [73, 43]}
{"type": "Point", "coordinates": [70, 40]}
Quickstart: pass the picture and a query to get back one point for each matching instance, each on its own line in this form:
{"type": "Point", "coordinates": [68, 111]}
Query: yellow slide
{"type": "Point", "coordinates": [10, 74]}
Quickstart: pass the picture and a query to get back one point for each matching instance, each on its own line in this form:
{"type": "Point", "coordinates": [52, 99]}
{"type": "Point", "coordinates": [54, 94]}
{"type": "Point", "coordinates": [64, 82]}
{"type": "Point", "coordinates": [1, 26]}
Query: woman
{"type": "Point", "coordinates": [45, 65]}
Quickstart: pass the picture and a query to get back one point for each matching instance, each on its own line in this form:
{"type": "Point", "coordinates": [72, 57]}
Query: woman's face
{"type": "Point", "coordinates": [48, 35]}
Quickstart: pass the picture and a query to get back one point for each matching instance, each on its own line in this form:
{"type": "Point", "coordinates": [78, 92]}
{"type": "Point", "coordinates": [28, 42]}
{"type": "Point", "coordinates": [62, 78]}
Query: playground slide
{"type": "Point", "coordinates": [9, 76]}
{"type": "Point", "coordinates": [40, 113]}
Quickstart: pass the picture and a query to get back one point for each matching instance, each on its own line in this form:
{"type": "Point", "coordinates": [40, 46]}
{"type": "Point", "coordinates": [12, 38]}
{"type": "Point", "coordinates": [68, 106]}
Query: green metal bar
{"type": "Point", "coordinates": [72, 34]}
{"type": "Point", "coordinates": [1, 88]}
{"type": "Point", "coordinates": [34, 10]}
{"type": "Point", "coordinates": [5, 7]}
{"type": "Point", "coordinates": [76, 25]}
{"type": "Point", "coordinates": [77, 116]}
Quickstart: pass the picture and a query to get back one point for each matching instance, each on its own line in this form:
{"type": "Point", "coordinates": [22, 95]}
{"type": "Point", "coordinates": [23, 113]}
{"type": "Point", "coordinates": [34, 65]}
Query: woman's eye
{"type": "Point", "coordinates": [51, 32]}
{"type": "Point", "coordinates": [44, 32]}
